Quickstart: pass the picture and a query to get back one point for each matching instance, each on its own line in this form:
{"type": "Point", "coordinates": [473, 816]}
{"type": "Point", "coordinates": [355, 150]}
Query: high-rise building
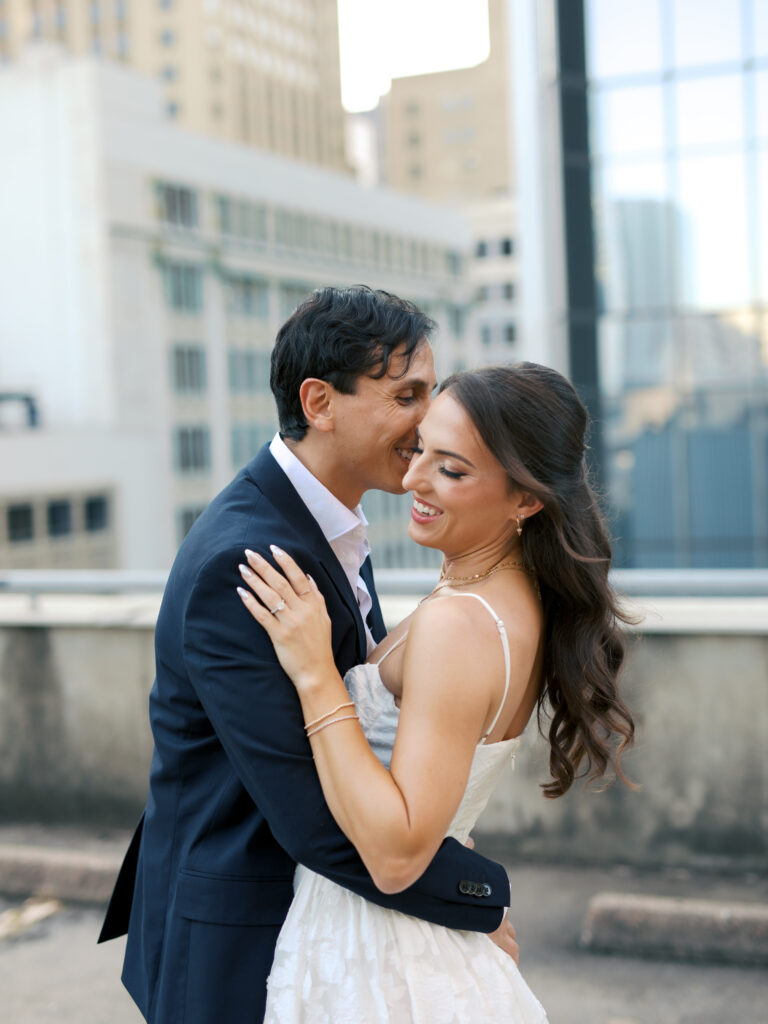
{"type": "Point", "coordinates": [448, 135]}
{"type": "Point", "coordinates": [262, 72]}
{"type": "Point", "coordinates": [144, 271]}
{"type": "Point", "coordinates": [645, 238]}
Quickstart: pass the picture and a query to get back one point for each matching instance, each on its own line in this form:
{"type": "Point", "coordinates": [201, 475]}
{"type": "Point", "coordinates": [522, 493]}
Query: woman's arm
{"type": "Point", "coordinates": [396, 819]}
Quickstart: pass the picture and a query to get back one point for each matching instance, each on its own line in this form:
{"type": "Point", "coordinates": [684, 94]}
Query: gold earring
{"type": "Point", "coordinates": [520, 521]}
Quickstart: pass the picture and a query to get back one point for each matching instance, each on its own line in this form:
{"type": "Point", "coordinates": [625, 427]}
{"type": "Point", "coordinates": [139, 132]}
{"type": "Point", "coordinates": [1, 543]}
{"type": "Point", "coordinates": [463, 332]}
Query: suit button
{"type": "Point", "coordinates": [465, 888]}
{"type": "Point", "coordinates": [487, 890]}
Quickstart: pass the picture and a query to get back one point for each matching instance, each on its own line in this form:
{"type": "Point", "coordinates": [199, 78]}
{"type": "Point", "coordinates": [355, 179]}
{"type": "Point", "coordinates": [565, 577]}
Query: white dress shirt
{"type": "Point", "coordinates": [343, 528]}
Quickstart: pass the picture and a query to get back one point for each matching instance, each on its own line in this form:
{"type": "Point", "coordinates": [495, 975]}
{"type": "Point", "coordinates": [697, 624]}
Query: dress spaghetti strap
{"type": "Point", "coordinates": [507, 661]}
{"type": "Point", "coordinates": [504, 643]}
{"type": "Point", "coordinates": [394, 647]}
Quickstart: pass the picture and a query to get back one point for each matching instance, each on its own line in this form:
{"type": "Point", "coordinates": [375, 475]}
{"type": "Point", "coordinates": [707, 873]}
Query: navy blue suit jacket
{"type": "Point", "coordinates": [234, 800]}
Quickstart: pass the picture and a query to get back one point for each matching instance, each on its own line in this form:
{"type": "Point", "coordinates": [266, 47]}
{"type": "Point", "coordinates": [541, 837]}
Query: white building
{"type": "Point", "coordinates": [144, 271]}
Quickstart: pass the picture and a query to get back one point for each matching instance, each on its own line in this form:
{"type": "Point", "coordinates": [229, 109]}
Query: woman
{"type": "Point", "coordinates": [523, 617]}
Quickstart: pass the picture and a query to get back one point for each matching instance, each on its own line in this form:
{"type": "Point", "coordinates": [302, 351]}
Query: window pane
{"type": "Point", "coordinates": [761, 88]}
{"type": "Point", "coordinates": [20, 521]}
{"type": "Point", "coordinates": [59, 518]}
{"type": "Point", "coordinates": [761, 28]}
{"type": "Point", "coordinates": [633, 218]}
{"type": "Point", "coordinates": [96, 514]}
{"type": "Point", "coordinates": [710, 110]}
{"type": "Point", "coordinates": [627, 121]}
{"type": "Point", "coordinates": [762, 174]}
{"type": "Point", "coordinates": [623, 37]}
{"type": "Point", "coordinates": [712, 232]}
{"type": "Point", "coordinates": [706, 31]}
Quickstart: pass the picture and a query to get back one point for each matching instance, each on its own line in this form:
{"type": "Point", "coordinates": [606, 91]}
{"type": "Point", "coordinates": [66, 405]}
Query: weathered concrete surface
{"type": "Point", "coordinates": [75, 675]}
{"type": "Point", "coordinates": [720, 931]}
{"type": "Point", "coordinates": [56, 973]}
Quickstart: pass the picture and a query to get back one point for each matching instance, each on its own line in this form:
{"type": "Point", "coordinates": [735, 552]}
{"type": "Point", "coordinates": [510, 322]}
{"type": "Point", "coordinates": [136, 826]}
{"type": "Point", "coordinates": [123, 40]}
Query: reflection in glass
{"type": "Point", "coordinates": [627, 121]}
{"type": "Point", "coordinates": [761, 113]}
{"type": "Point", "coordinates": [624, 37]}
{"type": "Point", "coordinates": [761, 28]}
{"type": "Point", "coordinates": [706, 31]}
{"type": "Point", "coordinates": [710, 110]}
{"type": "Point", "coordinates": [635, 266]}
{"type": "Point", "coordinates": [762, 212]}
{"type": "Point", "coordinates": [712, 242]}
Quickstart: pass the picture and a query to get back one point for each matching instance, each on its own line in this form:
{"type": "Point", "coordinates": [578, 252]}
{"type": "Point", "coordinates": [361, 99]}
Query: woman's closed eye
{"type": "Point", "coordinates": [451, 473]}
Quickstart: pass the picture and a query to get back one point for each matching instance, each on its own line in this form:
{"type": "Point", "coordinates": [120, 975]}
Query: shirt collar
{"type": "Point", "coordinates": [331, 515]}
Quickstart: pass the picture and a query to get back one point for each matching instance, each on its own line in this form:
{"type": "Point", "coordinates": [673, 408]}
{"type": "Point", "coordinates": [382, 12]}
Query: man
{"type": "Point", "coordinates": [234, 801]}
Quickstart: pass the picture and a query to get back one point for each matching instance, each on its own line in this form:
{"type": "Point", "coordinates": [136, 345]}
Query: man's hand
{"type": "Point", "coordinates": [505, 938]}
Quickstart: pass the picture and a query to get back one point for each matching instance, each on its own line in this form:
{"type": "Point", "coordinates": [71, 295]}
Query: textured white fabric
{"type": "Point", "coordinates": [342, 960]}
{"type": "Point", "coordinates": [343, 528]}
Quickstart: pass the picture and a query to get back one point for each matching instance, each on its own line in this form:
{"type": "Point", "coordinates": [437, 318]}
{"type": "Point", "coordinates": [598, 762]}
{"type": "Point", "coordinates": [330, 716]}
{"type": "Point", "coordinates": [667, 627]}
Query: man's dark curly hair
{"type": "Point", "coordinates": [337, 335]}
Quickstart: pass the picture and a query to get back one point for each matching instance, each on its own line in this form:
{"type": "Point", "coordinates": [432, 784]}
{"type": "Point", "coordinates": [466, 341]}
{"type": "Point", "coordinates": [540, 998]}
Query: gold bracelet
{"type": "Point", "coordinates": [344, 718]}
{"type": "Point", "coordinates": [349, 704]}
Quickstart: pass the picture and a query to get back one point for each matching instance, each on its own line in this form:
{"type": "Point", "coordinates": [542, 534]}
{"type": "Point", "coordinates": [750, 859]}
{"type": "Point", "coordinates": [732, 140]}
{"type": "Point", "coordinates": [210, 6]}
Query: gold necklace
{"type": "Point", "coordinates": [463, 580]}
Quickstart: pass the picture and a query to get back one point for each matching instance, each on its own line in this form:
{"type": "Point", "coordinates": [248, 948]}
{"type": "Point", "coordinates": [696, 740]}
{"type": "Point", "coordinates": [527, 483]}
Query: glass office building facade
{"type": "Point", "coordinates": [675, 122]}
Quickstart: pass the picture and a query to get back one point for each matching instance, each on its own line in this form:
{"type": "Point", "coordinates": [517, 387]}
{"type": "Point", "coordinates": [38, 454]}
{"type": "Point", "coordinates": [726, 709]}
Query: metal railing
{"type": "Point", "coordinates": [390, 582]}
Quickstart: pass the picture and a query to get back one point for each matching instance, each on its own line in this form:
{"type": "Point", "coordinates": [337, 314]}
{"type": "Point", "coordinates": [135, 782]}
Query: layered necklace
{"type": "Point", "coordinates": [463, 581]}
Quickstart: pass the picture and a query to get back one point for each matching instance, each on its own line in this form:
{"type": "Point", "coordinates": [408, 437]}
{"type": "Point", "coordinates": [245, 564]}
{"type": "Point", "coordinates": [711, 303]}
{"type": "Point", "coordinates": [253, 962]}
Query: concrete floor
{"type": "Point", "coordinates": [55, 972]}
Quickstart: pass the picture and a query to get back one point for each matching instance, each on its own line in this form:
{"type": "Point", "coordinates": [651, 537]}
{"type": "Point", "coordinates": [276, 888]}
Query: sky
{"type": "Point", "coordinates": [385, 39]}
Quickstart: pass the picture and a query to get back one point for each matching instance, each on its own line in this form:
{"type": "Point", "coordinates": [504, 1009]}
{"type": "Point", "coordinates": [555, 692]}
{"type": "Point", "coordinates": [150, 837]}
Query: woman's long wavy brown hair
{"type": "Point", "coordinates": [533, 422]}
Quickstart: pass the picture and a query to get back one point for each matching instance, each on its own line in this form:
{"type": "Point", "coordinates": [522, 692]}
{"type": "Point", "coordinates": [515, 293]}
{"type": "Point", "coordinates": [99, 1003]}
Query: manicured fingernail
{"type": "Point", "coordinates": [245, 571]}
{"type": "Point", "coordinates": [252, 554]}
{"type": "Point", "coordinates": [276, 550]}
{"type": "Point", "coordinates": [243, 593]}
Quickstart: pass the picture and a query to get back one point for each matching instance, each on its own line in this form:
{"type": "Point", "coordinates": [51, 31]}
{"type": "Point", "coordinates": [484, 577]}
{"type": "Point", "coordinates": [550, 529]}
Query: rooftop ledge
{"type": "Point", "coordinates": [705, 601]}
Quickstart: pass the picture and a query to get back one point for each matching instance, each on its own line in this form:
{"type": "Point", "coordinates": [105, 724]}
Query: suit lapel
{"type": "Point", "coordinates": [264, 473]}
{"type": "Point", "coordinates": [375, 618]}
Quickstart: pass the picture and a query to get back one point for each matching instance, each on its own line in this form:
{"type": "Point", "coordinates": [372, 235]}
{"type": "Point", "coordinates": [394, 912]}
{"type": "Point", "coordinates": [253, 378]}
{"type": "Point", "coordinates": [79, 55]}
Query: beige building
{"type": "Point", "coordinates": [262, 72]}
{"type": "Point", "coordinates": [448, 134]}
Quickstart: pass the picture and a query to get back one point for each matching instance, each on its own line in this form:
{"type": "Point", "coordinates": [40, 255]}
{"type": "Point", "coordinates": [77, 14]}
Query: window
{"type": "Point", "coordinates": [95, 12]}
{"type": "Point", "coordinates": [59, 518]}
{"type": "Point", "coordinates": [192, 449]}
{"type": "Point", "coordinates": [508, 290]}
{"type": "Point", "coordinates": [453, 262]}
{"type": "Point", "coordinates": [510, 333]}
{"type": "Point", "coordinates": [247, 438]}
{"type": "Point", "coordinates": [291, 295]}
{"type": "Point", "coordinates": [21, 523]}
{"type": "Point", "coordinates": [96, 513]}
{"type": "Point", "coordinates": [248, 371]}
{"type": "Point", "coordinates": [184, 287]}
{"type": "Point", "coordinates": [506, 247]}
{"type": "Point", "coordinates": [486, 335]}
{"type": "Point", "coordinates": [482, 293]}
{"type": "Point", "coordinates": [481, 249]}
{"type": "Point", "coordinates": [414, 139]}
{"type": "Point", "coordinates": [186, 517]}
{"type": "Point", "coordinates": [247, 296]}
{"type": "Point", "coordinates": [169, 73]}
{"type": "Point", "coordinates": [188, 369]}
{"type": "Point", "coordinates": [167, 38]}
{"type": "Point", "coordinates": [414, 171]}
{"type": "Point", "coordinates": [456, 319]}
{"type": "Point", "coordinates": [176, 204]}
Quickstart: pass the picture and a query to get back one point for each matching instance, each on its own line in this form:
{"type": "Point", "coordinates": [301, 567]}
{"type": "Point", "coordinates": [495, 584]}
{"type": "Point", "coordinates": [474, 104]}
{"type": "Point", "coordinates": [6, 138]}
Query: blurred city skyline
{"type": "Point", "coordinates": [412, 37]}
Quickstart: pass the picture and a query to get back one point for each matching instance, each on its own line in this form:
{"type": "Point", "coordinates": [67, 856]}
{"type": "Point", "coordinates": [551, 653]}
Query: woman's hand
{"type": "Point", "coordinates": [292, 611]}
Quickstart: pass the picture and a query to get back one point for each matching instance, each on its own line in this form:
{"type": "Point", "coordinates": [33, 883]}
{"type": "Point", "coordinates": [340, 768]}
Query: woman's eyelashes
{"type": "Point", "coordinates": [452, 474]}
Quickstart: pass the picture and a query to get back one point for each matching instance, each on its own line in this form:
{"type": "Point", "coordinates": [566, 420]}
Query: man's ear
{"type": "Point", "coordinates": [317, 402]}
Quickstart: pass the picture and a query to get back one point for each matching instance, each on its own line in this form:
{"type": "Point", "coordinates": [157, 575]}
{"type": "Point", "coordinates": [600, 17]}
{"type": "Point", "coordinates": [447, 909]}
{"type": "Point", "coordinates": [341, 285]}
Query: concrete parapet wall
{"type": "Point", "coordinates": [75, 675]}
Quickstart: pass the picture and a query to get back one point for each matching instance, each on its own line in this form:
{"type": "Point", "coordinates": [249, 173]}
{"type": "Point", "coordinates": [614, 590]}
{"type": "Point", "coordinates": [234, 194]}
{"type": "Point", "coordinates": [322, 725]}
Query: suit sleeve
{"type": "Point", "coordinates": [255, 711]}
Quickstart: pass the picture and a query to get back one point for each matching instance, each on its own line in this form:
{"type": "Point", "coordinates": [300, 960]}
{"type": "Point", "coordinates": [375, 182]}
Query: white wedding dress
{"type": "Point", "coordinates": [342, 960]}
